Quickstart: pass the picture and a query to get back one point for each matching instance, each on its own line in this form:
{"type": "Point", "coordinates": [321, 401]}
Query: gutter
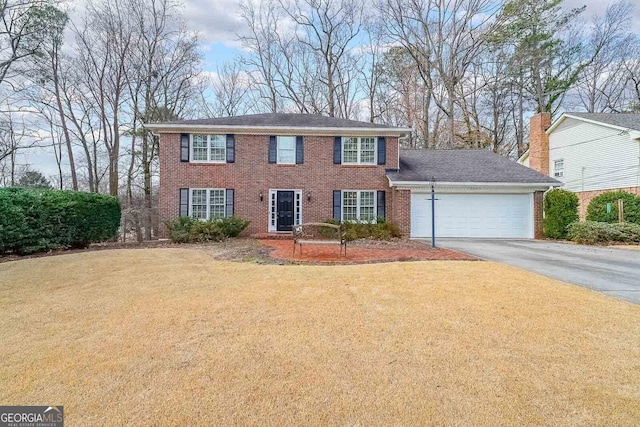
{"type": "Point", "coordinates": [545, 185]}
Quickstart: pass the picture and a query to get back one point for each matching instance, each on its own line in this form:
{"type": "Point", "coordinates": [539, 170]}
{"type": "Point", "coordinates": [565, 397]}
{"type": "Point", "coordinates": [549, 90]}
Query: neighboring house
{"type": "Point", "coordinates": [589, 152]}
{"type": "Point", "coordinates": [277, 170]}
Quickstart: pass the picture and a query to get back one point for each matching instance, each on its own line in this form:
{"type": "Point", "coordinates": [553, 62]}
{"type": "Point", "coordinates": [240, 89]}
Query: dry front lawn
{"type": "Point", "coordinates": [173, 337]}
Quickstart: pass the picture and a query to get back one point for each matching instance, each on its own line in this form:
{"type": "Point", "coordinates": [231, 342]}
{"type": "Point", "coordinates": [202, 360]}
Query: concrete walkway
{"type": "Point", "coordinates": [612, 271]}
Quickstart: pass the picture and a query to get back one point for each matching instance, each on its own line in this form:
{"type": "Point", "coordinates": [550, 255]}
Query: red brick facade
{"type": "Point", "coordinates": [252, 174]}
{"type": "Point", "coordinates": [585, 197]}
{"type": "Point", "coordinates": [538, 215]}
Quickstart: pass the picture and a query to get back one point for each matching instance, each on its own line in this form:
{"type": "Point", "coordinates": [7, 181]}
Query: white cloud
{"type": "Point", "coordinates": [217, 21]}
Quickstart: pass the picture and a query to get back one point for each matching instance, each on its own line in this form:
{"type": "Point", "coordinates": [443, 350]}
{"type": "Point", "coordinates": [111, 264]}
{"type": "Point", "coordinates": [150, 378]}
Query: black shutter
{"type": "Point", "coordinates": [228, 210]}
{"type": "Point", "coordinates": [273, 149]}
{"type": "Point", "coordinates": [337, 150]}
{"type": "Point", "coordinates": [231, 148]}
{"type": "Point", "coordinates": [184, 147]}
{"type": "Point", "coordinates": [184, 202]}
{"type": "Point", "coordinates": [299, 150]}
{"type": "Point", "coordinates": [382, 150]}
{"type": "Point", "coordinates": [381, 205]}
{"type": "Point", "coordinates": [337, 205]}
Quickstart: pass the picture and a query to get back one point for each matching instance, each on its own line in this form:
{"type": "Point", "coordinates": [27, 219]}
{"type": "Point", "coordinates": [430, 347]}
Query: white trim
{"type": "Point", "coordinates": [462, 187]}
{"type": "Point", "coordinates": [295, 149]}
{"type": "Point", "coordinates": [208, 198]}
{"type": "Point", "coordinates": [274, 192]}
{"type": "Point", "coordinates": [358, 192]}
{"type": "Point", "coordinates": [281, 130]}
{"type": "Point", "coordinates": [359, 151]}
{"type": "Point", "coordinates": [532, 219]}
{"type": "Point", "coordinates": [524, 157]}
{"type": "Point", "coordinates": [208, 135]}
{"type": "Point", "coordinates": [595, 122]}
{"type": "Point", "coordinates": [558, 172]}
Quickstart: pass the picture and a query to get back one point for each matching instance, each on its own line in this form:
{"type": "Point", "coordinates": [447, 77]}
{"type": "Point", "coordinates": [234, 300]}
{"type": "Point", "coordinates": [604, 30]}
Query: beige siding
{"type": "Point", "coordinates": [595, 157]}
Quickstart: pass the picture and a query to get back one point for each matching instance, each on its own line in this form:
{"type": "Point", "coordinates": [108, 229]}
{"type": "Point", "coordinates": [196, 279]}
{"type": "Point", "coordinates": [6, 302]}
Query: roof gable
{"type": "Point", "coordinates": [619, 121]}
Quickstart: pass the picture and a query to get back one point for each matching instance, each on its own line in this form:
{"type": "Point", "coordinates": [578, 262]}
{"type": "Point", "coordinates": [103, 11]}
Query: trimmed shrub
{"type": "Point", "coordinates": [560, 210]}
{"type": "Point", "coordinates": [36, 220]}
{"type": "Point", "coordinates": [597, 209]}
{"type": "Point", "coordinates": [601, 233]}
{"type": "Point", "coordinates": [233, 226]}
{"type": "Point", "coordinates": [190, 230]}
{"type": "Point", "coordinates": [380, 230]}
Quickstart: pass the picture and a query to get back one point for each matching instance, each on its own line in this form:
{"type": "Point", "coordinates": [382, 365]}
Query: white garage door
{"type": "Point", "coordinates": [473, 215]}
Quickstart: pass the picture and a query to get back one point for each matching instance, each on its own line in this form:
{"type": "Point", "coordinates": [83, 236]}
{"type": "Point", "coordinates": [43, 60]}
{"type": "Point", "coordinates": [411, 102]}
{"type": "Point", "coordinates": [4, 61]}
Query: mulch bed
{"type": "Point", "coordinates": [279, 251]}
{"type": "Point", "coordinates": [363, 252]}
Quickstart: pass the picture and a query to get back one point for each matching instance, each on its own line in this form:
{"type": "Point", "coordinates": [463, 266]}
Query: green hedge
{"type": "Point", "coordinates": [189, 230]}
{"type": "Point", "coordinates": [597, 209]}
{"type": "Point", "coordinates": [601, 233]}
{"type": "Point", "coordinates": [380, 230]}
{"type": "Point", "coordinates": [560, 210]}
{"type": "Point", "coordinates": [36, 220]}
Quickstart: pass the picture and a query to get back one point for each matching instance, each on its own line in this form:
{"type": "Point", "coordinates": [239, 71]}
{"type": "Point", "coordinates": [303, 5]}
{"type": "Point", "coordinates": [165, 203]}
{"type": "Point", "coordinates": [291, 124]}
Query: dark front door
{"type": "Point", "coordinates": [284, 206]}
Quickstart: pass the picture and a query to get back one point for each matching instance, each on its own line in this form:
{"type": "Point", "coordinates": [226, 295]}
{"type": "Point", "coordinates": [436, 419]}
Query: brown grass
{"type": "Point", "coordinates": [170, 337]}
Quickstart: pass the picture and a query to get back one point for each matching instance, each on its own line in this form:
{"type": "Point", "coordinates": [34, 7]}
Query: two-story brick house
{"type": "Point", "coordinates": [276, 170]}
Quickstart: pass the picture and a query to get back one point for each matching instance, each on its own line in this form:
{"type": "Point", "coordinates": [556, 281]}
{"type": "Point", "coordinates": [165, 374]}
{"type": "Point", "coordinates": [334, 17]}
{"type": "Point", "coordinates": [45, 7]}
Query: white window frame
{"type": "Point", "coordinates": [358, 205]}
{"type": "Point", "coordinates": [208, 198]}
{"type": "Point", "coordinates": [278, 139]}
{"type": "Point", "coordinates": [558, 172]}
{"type": "Point", "coordinates": [273, 206]}
{"type": "Point", "coordinates": [191, 158]}
{"type": "Point", "coordinates": [359, 147]}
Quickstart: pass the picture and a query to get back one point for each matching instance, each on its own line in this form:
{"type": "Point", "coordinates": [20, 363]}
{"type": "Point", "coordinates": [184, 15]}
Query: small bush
{"type": "Point", "coordinates": [190, 230]}
{"type": "Point", "coordinates": [560, 209]}
{"type": "Point", "coordinates": [206, 231]}
{"type": "Point", "coordinates": [380, 230]}
{"type": "Point", "coordinates": [601, 233]}
{"type": "Point", "coordinates": [179, 229]}
{"type": "Point", "coordinates": [597, 209]}
{"type": "Point", "coordinates": [36, 220]}
{"type": "Point", "coordinates": [233, 226]}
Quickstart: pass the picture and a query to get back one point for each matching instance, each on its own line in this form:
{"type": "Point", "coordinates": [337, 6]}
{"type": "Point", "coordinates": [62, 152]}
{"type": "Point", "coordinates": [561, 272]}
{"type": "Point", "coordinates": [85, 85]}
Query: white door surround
{"type": "Point", "coordinates": [297, 194]}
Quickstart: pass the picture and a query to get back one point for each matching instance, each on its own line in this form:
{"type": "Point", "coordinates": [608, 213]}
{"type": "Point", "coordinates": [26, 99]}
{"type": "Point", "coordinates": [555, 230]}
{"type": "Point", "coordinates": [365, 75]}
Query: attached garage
{"type": "Point", "coordinates": [479, 194]}
{"type": "Point", "coordinates": [473, 215]}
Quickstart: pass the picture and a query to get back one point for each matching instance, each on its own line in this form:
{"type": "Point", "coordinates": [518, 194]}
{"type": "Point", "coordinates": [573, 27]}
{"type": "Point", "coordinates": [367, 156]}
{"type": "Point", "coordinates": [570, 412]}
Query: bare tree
{"type": "Point", "coordinates": [602, 82]}
{"type": "Point", "coordinates": [232, 88]}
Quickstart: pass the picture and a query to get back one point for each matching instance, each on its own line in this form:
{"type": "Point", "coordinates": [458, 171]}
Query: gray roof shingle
{"type": "Point", "coordinates": [464, 166]}
{"type": "Point", "coordinates": [283, 120]}
{"type": "Point", "coordinates": [624, 120]}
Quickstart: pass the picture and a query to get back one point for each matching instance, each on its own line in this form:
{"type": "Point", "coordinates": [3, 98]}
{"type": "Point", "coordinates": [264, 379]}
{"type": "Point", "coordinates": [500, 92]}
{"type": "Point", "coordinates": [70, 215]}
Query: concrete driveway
{"type": "Point", "coordinates": [611, 271]}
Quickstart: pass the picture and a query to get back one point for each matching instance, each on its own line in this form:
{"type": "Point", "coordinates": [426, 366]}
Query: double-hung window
{"type": "Point", "coordinates": [359, 205]}
{"type": "Point", "coordinates": [207, 203]}
{"type": "Point", "coordinates": [286, 150]}
{"type": "Point", "coordinates": [359, 150]}
{"type": "Point", "coordinates": [558, 168]}
{"type": "Point", "coordinates": [208, 148]}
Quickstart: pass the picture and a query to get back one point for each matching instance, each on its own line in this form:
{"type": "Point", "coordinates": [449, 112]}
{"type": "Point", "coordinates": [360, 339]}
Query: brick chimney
{"type": "Point", "coordinates": [539, 142]}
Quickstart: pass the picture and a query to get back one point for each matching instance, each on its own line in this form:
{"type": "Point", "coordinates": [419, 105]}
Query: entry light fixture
{"type": "Point", "coordinates": [308, 196]}
{"type": "Point", "coordinates": [261, 196]}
